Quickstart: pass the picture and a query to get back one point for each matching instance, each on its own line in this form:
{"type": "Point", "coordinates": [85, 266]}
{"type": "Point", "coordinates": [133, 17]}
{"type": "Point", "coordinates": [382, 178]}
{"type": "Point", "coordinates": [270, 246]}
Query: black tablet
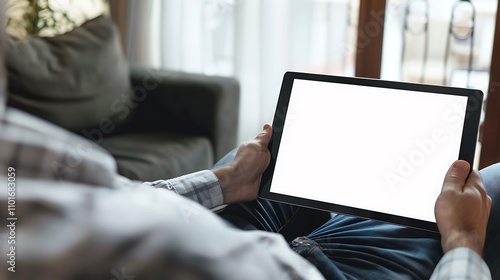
{"type": "Point", "coordinates": [368, 148]}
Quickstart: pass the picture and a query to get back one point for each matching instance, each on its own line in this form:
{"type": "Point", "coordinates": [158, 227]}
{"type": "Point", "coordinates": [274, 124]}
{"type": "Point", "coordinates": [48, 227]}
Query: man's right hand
{"type": "Point", "coordinates": [462, 209]}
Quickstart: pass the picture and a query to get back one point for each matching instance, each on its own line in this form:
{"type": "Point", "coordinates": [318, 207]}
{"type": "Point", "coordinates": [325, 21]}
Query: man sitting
{"type": "Point", "coordinates": [99, 225]}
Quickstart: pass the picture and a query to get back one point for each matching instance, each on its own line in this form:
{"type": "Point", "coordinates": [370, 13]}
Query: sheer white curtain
{"type": "Point", "coordinates": [254, 40]}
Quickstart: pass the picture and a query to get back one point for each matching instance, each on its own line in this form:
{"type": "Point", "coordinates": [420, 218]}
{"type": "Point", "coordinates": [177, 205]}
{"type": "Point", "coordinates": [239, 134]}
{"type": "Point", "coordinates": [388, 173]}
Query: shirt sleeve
{"type": "Point", "coordinates": [202, 187]}
{"type": "Point", "coordinates": [461, 264]}
{"type": "Point", "coordinates": [74, 231]}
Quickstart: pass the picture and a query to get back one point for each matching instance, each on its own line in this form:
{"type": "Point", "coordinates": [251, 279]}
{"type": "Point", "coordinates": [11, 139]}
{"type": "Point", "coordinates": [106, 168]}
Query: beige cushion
{"type": "Point", "coordinates": [76, 80]}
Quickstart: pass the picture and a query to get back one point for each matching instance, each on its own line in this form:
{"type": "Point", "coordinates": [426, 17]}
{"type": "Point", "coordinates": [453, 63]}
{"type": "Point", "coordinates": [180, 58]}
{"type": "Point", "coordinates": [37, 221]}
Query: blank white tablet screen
{"type": "Point", "coordinates": [378, 149]}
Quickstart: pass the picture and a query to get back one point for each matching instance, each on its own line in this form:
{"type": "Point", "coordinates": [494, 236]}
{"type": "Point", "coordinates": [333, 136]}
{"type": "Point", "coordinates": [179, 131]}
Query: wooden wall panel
{"type": "Point", "coordinates": [370, 38]}
{"type": "Point", "coordinates": [490, 151]}
{"type": "Point", "coordinates": [118, 10]}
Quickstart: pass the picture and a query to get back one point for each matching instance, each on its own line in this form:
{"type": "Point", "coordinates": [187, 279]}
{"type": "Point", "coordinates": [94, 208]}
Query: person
{"type": "Point", "coordinates": [90, 223]}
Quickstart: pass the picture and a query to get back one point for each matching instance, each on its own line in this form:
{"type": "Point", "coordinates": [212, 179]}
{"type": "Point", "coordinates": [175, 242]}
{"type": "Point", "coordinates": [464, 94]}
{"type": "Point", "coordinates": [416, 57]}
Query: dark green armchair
{"type": "Point", "coordinates": [157, 124]}
{"type": "Point", "coordinates": [183, 123]}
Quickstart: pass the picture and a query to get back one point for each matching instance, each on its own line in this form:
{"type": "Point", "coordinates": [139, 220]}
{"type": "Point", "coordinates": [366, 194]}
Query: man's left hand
{"type": "Point", "coordinates": [240, 179]}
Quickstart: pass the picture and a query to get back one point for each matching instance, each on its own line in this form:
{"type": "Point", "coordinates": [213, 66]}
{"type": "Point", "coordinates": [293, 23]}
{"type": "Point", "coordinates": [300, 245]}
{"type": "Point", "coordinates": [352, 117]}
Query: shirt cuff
{"type": "Point", "coordinates": [461, 263]}
{"type": "Point", "coordinates": [202, 187]}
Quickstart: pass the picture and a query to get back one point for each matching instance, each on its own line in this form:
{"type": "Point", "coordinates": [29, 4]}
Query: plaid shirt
{"type": "Point", "coordinates": [202, 187]}
{"type": "Point", "coordinates": [78, 219]}
{"type": "Point", "coordinates": [461, 264]}
{"type": "Point", "coordinates": [75, 218]}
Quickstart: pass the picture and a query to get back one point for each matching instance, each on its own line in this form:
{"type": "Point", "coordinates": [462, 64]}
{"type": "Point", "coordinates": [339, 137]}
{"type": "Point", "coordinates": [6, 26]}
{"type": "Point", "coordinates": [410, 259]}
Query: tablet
{"type": "Point", "coordinates": [369, 148]}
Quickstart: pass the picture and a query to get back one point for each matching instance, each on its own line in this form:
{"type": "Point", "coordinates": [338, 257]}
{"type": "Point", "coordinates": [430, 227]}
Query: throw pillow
{"type": "Point", "coordinates": [78, 80]}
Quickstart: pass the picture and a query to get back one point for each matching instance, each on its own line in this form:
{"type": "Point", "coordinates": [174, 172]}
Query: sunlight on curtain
{"type": "Point", "coordinates": [255, 41]}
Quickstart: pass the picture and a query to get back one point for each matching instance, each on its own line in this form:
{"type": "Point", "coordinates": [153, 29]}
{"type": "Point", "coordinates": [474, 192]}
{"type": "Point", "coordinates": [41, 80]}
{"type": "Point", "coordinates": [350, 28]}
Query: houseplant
{"type": "Point", "coordinates": [49, 17]}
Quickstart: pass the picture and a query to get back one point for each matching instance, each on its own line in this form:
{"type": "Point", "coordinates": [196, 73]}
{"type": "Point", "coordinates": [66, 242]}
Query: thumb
{"type": "Point", "coordinates": [265, 135]}
{"type": "Point", "coordinates": [457, 175]}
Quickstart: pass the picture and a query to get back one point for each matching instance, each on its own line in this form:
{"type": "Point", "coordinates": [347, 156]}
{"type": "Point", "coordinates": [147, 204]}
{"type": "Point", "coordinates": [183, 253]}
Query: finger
{"type": "Point", "coordinates": [457, 175]}
{"type": "Point", "coordinates": [475, 181]}
{"type": "Point", "coordinates": [487, 208]}
{"type": "Point", "coordinates": [265, 135]}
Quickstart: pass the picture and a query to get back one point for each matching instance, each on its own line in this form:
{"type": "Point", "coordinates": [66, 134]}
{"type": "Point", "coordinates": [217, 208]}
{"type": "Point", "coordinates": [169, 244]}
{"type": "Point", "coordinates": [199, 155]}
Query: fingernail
{"type": "Point", "coordinates": [461, 166]}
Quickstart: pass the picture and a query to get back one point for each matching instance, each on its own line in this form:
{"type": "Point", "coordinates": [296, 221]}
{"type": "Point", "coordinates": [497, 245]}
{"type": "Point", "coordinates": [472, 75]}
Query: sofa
{"type": "Point", "coordinates": [157, 124]}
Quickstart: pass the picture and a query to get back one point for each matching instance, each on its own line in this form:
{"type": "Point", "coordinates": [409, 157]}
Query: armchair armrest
{"type": "Point", "coordinates": [188, 103]}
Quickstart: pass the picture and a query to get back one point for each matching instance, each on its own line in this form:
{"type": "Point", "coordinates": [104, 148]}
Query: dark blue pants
{"type": "Point", "coordinates": [345, 247]}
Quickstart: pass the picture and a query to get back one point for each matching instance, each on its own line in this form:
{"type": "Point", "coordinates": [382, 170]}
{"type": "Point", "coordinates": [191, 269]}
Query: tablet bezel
{"type": "Point", "coordinates": [467, 146]}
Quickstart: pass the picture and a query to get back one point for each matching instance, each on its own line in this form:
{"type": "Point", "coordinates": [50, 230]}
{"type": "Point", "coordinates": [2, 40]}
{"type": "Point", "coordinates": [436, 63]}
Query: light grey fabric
{"type": "Point", "coordinates": [80, 229]}
{"type": "Point", "coordinates": [461, 264]}
{"type": "Point", "coordinates": [76, 80]}
{"type": "Point", "coordinates": [202, 187]}
{"type": "Point", "coordinates": [45, 151]}
{"type": "Point", "coordinates": [73, 231]}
